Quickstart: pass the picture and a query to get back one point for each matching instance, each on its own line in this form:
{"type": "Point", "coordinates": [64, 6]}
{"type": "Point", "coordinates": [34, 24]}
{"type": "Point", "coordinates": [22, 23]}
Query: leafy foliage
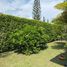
{"type": "Point", "coordinates": [61, 20]}
{"type": "Point", "coordinates": [30, 39]}
{"type": "Point", "coordinates": [62, 6]}
{"type": "Point", "coordinates": [26, 36]}
{"type": "Point", "coordinates": [10, 26]}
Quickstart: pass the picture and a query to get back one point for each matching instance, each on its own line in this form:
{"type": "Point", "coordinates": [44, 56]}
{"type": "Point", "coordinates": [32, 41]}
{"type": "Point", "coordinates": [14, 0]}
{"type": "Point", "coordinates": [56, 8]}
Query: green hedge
{"type": "Point", "coordinates": [30, 39]}
{"type": "Point", "coordinates": [11, 24]}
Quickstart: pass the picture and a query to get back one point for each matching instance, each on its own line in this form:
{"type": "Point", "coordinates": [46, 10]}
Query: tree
{"type": "Point", "coordinates": [62, 6]}
{"type": "Point", "coordinates": [36, 10]}
{"type": "Point", "coordinates": [63, 19]}
{"type": "Point", "coordinates": [63, 16]}
{"type": "Point", "coordinates": [43, 19]}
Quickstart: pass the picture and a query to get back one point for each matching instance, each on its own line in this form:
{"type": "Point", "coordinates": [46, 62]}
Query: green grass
{"type": "Point", "coordinates": [42, 59]}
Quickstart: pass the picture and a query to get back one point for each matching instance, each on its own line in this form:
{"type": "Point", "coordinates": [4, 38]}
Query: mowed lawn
{"type": "Point", "coordinates": [42, 59]}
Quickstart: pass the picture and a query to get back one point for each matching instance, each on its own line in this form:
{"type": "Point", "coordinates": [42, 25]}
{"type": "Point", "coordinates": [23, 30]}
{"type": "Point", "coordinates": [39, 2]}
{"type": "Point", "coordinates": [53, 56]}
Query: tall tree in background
{"type": "Point", "coordinates": [43, 19]}
{"type": "Point", "coordinates": [36, 10]}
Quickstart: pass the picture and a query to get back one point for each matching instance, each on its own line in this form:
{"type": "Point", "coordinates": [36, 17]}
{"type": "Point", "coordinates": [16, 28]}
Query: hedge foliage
{"type": "Point", "coordinates": [30, 39]}
{"type": "Point", "coordinates": [24, 35]}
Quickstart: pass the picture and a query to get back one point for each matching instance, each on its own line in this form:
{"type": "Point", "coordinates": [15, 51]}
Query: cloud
{"type": "Point", "coordinates": [23, 8]}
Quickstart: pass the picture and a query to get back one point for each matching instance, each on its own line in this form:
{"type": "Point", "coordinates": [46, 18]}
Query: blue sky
{"type": "Point", "coordinates": [23, 8]}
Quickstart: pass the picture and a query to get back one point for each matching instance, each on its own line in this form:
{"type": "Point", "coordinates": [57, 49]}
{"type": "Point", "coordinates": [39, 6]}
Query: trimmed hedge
{"type": "Point", "coordinates": [30, 39]}
{"type": "Point", "coordinates": [10, 26]}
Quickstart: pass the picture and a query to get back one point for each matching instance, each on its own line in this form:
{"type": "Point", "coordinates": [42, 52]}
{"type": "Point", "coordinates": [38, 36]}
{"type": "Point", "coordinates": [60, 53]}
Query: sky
{"type": "Point", "coordinates": [23, 8]}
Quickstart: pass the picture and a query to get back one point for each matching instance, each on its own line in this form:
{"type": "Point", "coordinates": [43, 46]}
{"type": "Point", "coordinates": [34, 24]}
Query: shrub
{"type": "Point", "coordinates": [64, 36]}
{"type": "Point", "coordinates": [29, 40]}
{"type": "Point", "coordinates": [4, 42]}
{"type": "Point", "coordinates": [9, 24]}
{"type": "Point", "coordinates": [27, 36]}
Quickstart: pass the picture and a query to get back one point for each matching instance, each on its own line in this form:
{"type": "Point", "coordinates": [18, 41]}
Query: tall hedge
{"type": "Point", "coordinates": [10, 24]}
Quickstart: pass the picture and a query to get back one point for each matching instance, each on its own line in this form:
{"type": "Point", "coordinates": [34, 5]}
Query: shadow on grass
{"type": "Point", "coordinates": [58, 45]}
{"type": "Point", "coordinates": [58, 61]}
{"type": "Point", "coordinates": [5, 54]}
{"type": "Point", "coordinates": [31, 51]}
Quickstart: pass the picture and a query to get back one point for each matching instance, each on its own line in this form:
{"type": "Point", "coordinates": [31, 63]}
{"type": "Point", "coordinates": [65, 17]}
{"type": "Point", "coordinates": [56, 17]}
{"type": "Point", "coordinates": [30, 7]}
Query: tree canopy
{"type": "Point", "coordinates": [61, 6]}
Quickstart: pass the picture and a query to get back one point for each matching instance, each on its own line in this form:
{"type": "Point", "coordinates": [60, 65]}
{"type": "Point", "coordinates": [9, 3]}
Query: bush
{"type": "Point", "coordinates": [9, 24]}
{"type": "Point", "coordinates": [25, 35]}
{"type": "Point", "coordinates": [4, 42]}
{"type": "Point", "coordinates": [64, 36]}
{"type": "Point", "coordinates": [30, 39]}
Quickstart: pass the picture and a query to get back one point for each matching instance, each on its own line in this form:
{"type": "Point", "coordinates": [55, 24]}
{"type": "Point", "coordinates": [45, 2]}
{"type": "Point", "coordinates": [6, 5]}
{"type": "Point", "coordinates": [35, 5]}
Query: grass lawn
{"type": "Point", "coordinates": [42, 59]}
